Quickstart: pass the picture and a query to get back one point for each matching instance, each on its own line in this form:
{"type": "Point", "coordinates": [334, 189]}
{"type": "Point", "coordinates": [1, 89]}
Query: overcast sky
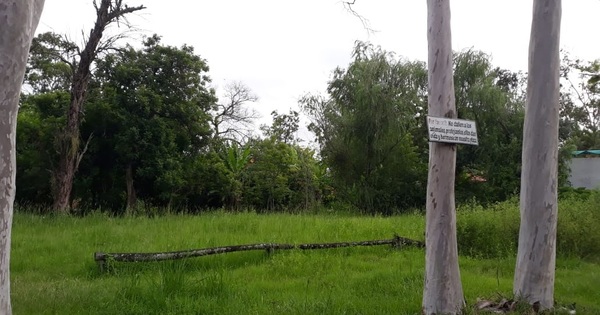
{"type": "Point", "coordinates": [282, 49]}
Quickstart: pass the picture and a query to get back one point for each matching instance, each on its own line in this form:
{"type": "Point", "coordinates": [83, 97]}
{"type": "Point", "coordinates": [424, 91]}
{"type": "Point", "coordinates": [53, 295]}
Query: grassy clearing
{"type": "Point", "coordinates": [53, 270]}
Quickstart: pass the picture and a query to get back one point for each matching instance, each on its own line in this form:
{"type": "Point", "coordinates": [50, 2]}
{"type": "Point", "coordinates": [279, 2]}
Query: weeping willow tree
{"type": "Point", "coordinates": [365, 130]}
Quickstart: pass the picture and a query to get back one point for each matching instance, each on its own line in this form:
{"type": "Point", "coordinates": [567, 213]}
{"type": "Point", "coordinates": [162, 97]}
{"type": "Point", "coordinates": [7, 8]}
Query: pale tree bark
{"type": "Point", "coordinates": [18, 21]}
{"type": "Point", "coordinates": [107, 12]}
{"type": "Point", "coordinates": [534, 272]}
{"type": "Point", "coordinates": [443, 292]}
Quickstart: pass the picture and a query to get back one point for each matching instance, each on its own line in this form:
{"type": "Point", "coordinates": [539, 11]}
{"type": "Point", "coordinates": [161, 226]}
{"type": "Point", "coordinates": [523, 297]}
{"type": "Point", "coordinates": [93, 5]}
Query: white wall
{"type": "Point", "coordinates": [585, 172]}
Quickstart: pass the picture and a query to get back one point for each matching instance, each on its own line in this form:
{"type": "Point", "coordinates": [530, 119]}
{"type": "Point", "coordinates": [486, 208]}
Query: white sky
{"type": "Point", "coordinates": [282, 49]}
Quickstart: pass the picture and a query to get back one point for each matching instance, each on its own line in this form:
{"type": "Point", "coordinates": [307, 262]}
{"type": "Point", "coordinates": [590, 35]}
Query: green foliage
{"type": "Point", "coordinates": [284, 127]}
{"type": "Point", "coordinates": [147, 134]}
{"type": "Point", "coordinates": [493, 232]}
{"type": "Point", "coordinates": [364, 130]}
{"type": "Point", "coordinates": [578, 233]}
{"type": "Point", "coordinates": [52, 62]}
{"type": "Point", "coordinates": [580, 102]}
{"type": "Point", "coordinates": [372, 130]}
{"type": "Point", "coordinates": [151, 108]}
{"type": "Point", "coordinates": [280, 176]}
{"type": "Point", "coordinates": [574, 193]}
{"type": "Point", "coordinates": [490, 232]}
{"type": "Point", "coordinates": [156, 136]}
{"type": "Point", "coordinates": [489, 96]}
{"type": "Point", "coordinates": [236, 161]}
{"type": "Point", "coordinates": [40, 118]}
{"type": "Point", "coordinates": [209, 184]}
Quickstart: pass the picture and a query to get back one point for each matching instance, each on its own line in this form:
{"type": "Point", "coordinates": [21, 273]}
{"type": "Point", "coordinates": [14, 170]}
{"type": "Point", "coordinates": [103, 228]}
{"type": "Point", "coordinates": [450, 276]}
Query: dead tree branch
{"type": "Point", "coordinates": [364, 21]}
{"type": "Point", "coordinates": [103, 258]}
{"type": "Point", "coordinates": [107, 12]}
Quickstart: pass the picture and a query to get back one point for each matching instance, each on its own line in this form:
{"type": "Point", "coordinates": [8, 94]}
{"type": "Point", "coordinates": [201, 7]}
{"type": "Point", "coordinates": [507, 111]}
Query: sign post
{"type": "Point", "coordinates": [447, 130]}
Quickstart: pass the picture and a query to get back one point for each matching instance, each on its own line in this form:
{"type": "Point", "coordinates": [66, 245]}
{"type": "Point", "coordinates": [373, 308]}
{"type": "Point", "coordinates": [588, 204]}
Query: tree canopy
{"type": "Point", "coordinates": [156, 134]}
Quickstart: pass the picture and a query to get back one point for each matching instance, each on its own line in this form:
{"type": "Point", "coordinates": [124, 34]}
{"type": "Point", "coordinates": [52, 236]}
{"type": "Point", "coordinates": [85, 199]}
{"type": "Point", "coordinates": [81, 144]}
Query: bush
{"type": "Point", "coordinates": [488, 232]}
{"type": "Point", "coordinates": [578, 226]}
{"type": "Point", "coordinates": [574, 193]}
{"type": "Point", "coordinates": [493, 231]}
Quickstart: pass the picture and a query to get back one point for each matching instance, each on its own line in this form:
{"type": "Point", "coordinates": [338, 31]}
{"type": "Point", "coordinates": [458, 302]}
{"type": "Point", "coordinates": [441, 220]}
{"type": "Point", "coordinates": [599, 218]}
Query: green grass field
{"type": "Point", "coordinates": [53, 271]}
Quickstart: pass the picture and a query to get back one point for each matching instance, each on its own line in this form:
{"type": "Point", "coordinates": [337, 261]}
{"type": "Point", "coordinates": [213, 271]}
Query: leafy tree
{"type": "Point", "coordinates": [580, 103]}
{"type": "Point", "coordinates": [40, 118]}
{"type": "Point", "coordinates": [284, 127]}
{"type": "Point", "coordinates": [209, 184]}
{"type": "Point", "coordinates": [364, 130]}
{"type": "Point", "coordinates": [280, 176]}
{"type": "Point", "coordinates": [491, 97]}
{"type": "Point", "coordinates": [267, 179]}
{"type": "Point", "coordinates": [52, 59]}
{"type": "Point", "coordinates": [153, 107]}
{"type": "Point", "coordinates": [19, 22]}
{"type": "Point", "coordinates": [236, 161]}
{"type": "Point", "coordinates": [70, 151]}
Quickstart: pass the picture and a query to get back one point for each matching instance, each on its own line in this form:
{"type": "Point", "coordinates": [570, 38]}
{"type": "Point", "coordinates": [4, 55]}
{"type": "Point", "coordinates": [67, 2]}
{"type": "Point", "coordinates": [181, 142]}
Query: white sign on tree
{"type": "Point", "coordinates": [452, 130]}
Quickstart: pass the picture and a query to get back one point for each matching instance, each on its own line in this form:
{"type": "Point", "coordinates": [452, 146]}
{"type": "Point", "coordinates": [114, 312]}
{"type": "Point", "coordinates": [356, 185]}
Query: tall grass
{"type": "Point", "coordinates": [494, 231]}
{"type": "Point", "coordinates": [53, 271]}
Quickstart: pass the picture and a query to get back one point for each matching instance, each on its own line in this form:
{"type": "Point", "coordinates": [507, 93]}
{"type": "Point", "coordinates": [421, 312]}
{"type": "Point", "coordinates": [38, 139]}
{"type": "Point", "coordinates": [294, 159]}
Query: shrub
{"type": "Point", "coordinates": [493, 231]}
{"type": "Point", "coordinates": [578, 230]}
{"type": "Point", "coordinates": [488, 232]}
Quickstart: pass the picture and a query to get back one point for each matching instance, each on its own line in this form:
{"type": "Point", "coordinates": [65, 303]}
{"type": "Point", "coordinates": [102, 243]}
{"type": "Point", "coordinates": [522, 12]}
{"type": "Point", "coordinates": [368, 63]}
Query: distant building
{"type": "Point", "coordinates": [585, 169]}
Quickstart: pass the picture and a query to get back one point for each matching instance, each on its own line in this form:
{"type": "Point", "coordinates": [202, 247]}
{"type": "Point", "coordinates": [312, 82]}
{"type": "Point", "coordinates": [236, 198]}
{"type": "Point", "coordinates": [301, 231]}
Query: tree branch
{"type": "Point", "coordinates": [102, 258]}
{"type": "Point", "coordinates": [364, 21]}
{"type": "Point", "coordinates": [85, 148]}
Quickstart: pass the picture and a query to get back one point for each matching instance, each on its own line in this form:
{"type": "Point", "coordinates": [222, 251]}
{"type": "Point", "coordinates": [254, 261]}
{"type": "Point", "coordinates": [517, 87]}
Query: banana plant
{"type": "Point", "coordinates": [237, 159]}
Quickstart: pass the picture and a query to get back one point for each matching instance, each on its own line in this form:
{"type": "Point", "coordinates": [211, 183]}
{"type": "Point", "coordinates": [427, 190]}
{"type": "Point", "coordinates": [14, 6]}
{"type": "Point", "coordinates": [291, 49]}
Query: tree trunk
{"type": "Point", "coordinates": [131, 197]}
{"type": "Point", "coordinates": [19, 19]}
{"type": "Point", "coordinates": [443, 292]}
{"type": "Point", "coordinates": [63, 179]}
{"type": "Point", "coordinates": [69, 138]}
{"type": "Point", "coordinates": [534, 272]}
{"type": "Point", "coordinates": [70, 155]}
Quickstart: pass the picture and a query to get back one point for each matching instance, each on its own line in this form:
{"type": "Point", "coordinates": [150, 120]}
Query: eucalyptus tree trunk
{"type": "Point", "coordinates": [18, 21]}
{"type": "Point", "coordinates": [443, 292]}
{"type": "Point", "coordinates": [534, 272]}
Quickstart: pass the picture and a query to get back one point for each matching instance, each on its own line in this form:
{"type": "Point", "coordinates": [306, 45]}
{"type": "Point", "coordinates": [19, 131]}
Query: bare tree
{"type": "Point", "coordinates": [107, 12]}
{"type": "Point", "coordinates": [536, 258]}
{"type": "Point", "coordinates": [232, 119]}
{"type": "Point", "coordinates": [443, 292]}
{"type": "Point", "coordinates": [18, 22]}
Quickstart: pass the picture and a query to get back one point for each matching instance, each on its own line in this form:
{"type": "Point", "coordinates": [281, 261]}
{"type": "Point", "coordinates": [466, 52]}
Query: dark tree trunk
{"type": "Point", "coordinates": [63, 181]}
{"type": "Point", "coordinates": [69, 140]}
{"type": "Point", "coordinates": [131, 197]}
